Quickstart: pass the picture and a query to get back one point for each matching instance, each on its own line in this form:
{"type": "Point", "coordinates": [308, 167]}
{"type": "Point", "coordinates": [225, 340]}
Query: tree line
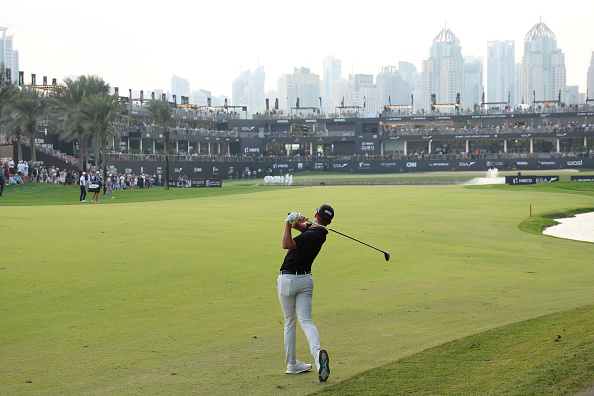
{"type": "Point", "coordinates": [80, 109]}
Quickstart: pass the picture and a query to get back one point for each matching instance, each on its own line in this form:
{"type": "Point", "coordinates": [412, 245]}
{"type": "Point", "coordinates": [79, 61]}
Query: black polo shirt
{"type": "Point", "coordinates": [309, 243]}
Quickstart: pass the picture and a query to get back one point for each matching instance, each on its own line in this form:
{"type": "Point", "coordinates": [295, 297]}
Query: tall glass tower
{"type": "Point", "coordinates": [501, 72]}
{"type": "Point", "coordinates": [590, 88]}
{"type": "Point", "coordinates": [443, 72]}
{"type": "Point", "coordinates": [8, 55]}
{"type": "Point", "coordinates": [543, 66]}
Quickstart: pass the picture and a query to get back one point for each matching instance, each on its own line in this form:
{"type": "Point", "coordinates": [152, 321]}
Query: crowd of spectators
{"type": "Point", "coordinates": [27, 171]}
{"type": "Point", "coordinates": [390, 130]}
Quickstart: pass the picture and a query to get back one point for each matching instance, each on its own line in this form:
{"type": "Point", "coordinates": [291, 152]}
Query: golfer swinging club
{"type": "Point", "coordinates": [295, 287]}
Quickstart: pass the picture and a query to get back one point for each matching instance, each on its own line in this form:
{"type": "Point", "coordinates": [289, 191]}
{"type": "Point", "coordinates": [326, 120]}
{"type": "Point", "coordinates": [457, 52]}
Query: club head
{"type": "Point", "coordinates": [387, 256]}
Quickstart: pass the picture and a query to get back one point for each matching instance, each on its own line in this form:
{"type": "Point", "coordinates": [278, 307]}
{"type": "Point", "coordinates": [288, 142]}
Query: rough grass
{"type": "Point", "coordinates": [173, 292]}
{"type": "Point", "coordinates": [549, 355]}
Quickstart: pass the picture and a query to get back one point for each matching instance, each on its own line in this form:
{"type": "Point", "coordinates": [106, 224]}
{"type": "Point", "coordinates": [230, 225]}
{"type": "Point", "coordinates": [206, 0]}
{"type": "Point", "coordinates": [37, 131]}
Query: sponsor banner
{"type": "Point", "coordinates": [576, 163]}
{"type": "Point", "coordinates": [547, 163]}
{"type": "Point", "coordinates": [367, 144]}
{"type": "Point", "coordinates": [439, 164]}
{"type": "Point", "coordinates": [286, 179]}
{"type": "Point", "coordinates": [522, 180]}
{"type": "Point", "coordinates": [197, 183]}
{"type": "Point", "coordinates": [215, 170]}
{"type": "Point", "coordinates": [343, 166]}
{"type": "Point", "coordinates": [320, 166]}
{"type": "Point", "coordinates": [388, 165]}
{"type": "Point", "coordinates": [205, 182]}
{"type": "Point", "coordinates": [252, 146]}
{"type": "Point", "coordinates": [583, 178]}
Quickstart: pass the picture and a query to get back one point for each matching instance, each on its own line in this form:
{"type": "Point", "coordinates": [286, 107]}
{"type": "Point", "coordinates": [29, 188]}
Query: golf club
{"type": "Point", "coordinates": [386, 254]}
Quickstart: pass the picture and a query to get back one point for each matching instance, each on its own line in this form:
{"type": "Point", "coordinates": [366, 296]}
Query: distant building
{"type": "Point", "coordinates": [473, 82]}
{"type": "Point", "coordinates": [543, 66]}
{"type": "Point", "coordinates": [300, 89]}
{"type": "Point", "coordinates": [572, 95]}
{"type": "Point", "coordinates": [396, 85]}
{"type": "Point", "coordinates": [518, 88]}
{"type": "Point", "coordinates": [341, 94]}
{"type": "Point", "coordinates": [501, 72]}
{"type": "Point", "coordinates": [332, 72]}
{"type": "Point", "coordinates": [366, 94]}
{"type": "Point", "coordinates": [200, 97]}
{"type": "Point", "coordinates": [239, 88]}
{"type": "Point", "coordinates": [443, 72]}
{"type": "Point", "coordinates": [248, 90]}
{"type": "Point", "coordinates": [590, 89]}
{"type": "Point", "coordinates": [159, 94]}
{"type": "Point", "coordinates": [256, 92]}
{"type": "Point", "coordinates": [8, 55]}
{"type": "Point", "coordinates": [179, 87]}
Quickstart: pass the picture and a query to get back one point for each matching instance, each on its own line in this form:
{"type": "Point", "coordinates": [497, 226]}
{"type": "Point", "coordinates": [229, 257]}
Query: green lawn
{"type": "Point", "coordinates": [172, 292]}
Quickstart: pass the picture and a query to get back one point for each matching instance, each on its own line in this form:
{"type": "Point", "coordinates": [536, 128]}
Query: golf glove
{"type": "Point", "coordinates": [293, 217]}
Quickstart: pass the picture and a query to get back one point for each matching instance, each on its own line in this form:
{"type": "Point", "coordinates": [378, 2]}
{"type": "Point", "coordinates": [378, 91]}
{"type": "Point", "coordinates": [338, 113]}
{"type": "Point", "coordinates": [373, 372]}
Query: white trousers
{"type": "Point", "coordinates": [295, 293]}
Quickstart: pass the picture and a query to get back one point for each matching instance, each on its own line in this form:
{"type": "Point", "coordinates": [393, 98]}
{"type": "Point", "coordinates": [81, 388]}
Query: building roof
{"type": "Point", "coordinates": [446, 36]}
{"type": "Point", "coordinates": [539, 30]}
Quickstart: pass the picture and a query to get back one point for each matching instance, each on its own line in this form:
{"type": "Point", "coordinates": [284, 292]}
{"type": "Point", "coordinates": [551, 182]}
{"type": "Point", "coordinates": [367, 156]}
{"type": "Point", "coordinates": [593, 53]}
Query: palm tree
{"type": "Point", "coordinates": [100, 111]}
{"type": "Point", "coordinates": [27, 108]}
{"type": "Point", "coordinates": [12, 130]}
{"type": "Point", "coordinates": [161, 112]}
{"type": "Point", "coordinates": [7, 92]}
{"type": "Point", "coordinates": [70, 99]}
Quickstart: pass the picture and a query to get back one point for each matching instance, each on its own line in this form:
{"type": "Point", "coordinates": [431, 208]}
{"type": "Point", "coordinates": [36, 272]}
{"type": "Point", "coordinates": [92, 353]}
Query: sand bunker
{"type": "Point", "coordinates": [579, 228]}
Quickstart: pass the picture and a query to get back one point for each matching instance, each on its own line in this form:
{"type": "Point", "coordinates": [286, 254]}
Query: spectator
{"type": "Point", "coordinates": [108, 186]}
{"type": "Point", "coordinates": [83, 183]}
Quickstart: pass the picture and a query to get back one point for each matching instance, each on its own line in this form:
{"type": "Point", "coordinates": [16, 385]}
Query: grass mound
{"type": "Point", "coordinates": [549, 355]}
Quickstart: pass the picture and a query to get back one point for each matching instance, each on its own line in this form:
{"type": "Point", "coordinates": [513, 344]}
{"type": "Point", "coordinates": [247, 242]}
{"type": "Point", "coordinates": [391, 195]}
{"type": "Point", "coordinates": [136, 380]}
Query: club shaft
{"type": "Point", "coordinates": [344, 235]}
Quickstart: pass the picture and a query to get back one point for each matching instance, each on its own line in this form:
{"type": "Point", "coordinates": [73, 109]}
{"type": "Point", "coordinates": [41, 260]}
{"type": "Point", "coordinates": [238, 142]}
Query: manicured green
{"type": "Point", "coordinates": [172, 292]}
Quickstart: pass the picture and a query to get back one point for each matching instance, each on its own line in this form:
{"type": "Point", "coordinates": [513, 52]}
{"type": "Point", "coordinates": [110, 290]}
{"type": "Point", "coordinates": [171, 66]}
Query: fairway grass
{"type": "Point", "coordinates": [172, 292]}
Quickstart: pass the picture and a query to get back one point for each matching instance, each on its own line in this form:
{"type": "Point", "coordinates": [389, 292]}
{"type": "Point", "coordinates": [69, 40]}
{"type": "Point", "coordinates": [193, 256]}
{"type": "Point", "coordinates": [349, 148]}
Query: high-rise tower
{"type": "Point", "coordinates": [443, 72]}
{"type": "Point", "coordinates": [8, 55]}
{"type": "Point", "coordinates": [543, 66]}
{"type": "Point", "coordinates": [501, 72]}
{"type": "Point", "coordinates": [590, 91]}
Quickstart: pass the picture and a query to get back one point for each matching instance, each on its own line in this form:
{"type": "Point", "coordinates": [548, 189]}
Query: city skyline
{"type": "Point", "coordinates": [139, 46]}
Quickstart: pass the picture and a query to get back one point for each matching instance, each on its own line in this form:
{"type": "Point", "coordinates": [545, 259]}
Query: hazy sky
{"type": "Point", "coordinates": [140, 44]}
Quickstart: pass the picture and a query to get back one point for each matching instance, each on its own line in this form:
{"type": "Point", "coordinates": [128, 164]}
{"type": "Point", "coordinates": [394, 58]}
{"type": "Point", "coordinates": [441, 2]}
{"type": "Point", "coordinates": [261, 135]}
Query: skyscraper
{"type": "Point", "coordinates": [393, 84]}
{"type": "Point", "coordinates": [302, 85]}
{"type": "Point", "coordinates": [590, 92]}
{"type": "Point", "coordinates": [443, 72]}
{"type": "Point", "coordinates": [332, 73]}
{"type": "Point", "coordinates": [473, 82]}
{"type": "Point", "coordinates": [201, 97]}
{"type": "Point", "coordinates": [501, 72]}
{"type": "Point", "coordinates": [365, 93]}
{"type": "Point", "coordinates": [543, 66]}
{"type": "Point", "coordinates": [239, 88]}
{"type": "Point", "coordinates": [255, 93]}
{"type": "Point", "coordinates": [179, 87]}
{"type": "Point", "coordinates": [248, 90]}
{"type": "Point", "coordinates": [8, 55]}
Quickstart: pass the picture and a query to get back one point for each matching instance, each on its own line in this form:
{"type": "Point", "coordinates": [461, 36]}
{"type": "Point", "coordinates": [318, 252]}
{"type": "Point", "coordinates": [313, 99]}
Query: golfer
{"type": "Point", "coordinates": [295, 287]}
